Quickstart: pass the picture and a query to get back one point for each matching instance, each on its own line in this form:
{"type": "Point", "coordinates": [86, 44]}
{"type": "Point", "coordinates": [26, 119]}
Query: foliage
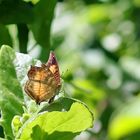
{"type": "Point", "coordinates": [21, 120]}
{"type": "Point", "coordinates": [36, 16]}
{"type": "Point", "coordinates": [128, 113]}
{"type": "Point", "coordinates": [97, 46]}
{"type": "Point", "coordinates": [11, 97]}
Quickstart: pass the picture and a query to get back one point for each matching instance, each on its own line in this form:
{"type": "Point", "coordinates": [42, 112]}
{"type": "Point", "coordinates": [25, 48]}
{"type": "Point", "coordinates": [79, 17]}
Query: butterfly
{"type": "Point", "coordinates": [44, 82]}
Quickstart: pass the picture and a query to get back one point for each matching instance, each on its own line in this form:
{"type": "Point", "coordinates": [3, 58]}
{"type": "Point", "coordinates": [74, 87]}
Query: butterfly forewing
{"type": "Point", "coordinates": [53, 66]}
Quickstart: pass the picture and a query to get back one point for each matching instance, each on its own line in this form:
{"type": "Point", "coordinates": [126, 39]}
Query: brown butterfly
{"type": "Point", "coordinates": [44, 82]}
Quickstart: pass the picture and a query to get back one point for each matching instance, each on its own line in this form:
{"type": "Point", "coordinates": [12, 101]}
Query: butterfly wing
{"type": "Point", "coordinates": [44, 82]}
{"type": "Point", "coordinates": [53, 66]}
{"type": "Point", "coordinates": [41, 84]}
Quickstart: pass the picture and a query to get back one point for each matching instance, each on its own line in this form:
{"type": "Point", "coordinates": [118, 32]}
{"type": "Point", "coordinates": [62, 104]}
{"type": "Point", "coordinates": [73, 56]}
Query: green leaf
{"type": "Point", "coordinates": [86, 91]}
{"type": "Point", "coordinates": [44, 11]}
{"type": "Point", "coordinates": [15, 11]}
{"type": "Point", "coordinates": [63, 103]}
{"type": "Point", "coordinates": [23, 37]}
{"type": "Point", "coordinates": [126, 120]}
{"type": "Point", "coordinates": [58, 125]}
{"type": "Point", "coordinates": [10, 90]}
{"type": "Point", "coordinates": [2, 139]}
{"type": "Point", "coordinates": [33, 1]}
{"type": "Point", "coordinates": [64, 118]}
{"type": "Point", "coordinates": [5, 37]}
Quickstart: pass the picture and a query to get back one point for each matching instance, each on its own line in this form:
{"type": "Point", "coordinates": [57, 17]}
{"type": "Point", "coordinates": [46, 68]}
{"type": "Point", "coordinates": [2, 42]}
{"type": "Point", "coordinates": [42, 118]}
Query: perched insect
{"type": "Point", "coordinates": [44, 82]}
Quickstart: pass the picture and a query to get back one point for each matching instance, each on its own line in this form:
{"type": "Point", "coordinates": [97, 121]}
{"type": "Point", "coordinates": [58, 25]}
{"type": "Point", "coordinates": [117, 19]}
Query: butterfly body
{"type": "Point", "coordinates": [44, 82]}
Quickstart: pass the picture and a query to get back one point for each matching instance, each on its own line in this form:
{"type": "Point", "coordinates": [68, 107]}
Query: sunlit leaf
{"type": "Point", "coordinates": [126, 120]}
{"type": "Point", "coordinates": [10, 90]}
{"type": "Point", "coordinates": [58, 125]}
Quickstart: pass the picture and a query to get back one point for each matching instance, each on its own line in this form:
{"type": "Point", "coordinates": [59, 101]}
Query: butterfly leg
{"type": "Point", "coordinates": [51, 100]}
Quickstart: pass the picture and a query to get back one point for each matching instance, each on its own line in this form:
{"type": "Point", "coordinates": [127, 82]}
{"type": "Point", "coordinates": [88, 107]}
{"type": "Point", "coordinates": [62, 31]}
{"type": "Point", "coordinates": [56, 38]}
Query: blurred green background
{"type": "Point", "coordinates": [97, 44]}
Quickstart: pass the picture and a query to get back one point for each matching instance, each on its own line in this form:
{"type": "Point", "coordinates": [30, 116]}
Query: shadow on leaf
{"type": "Point", "coordinates": [39, 134]}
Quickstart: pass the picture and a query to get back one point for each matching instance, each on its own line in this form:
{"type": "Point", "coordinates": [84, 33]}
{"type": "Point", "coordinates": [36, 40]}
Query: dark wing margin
{"type": "Point", "coordinates": [54, 68]}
